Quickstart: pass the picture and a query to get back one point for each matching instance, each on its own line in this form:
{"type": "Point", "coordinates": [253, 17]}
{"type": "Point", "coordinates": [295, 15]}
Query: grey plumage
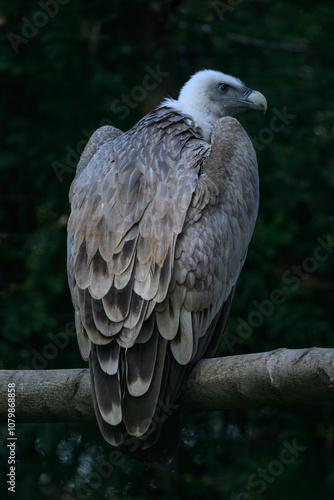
{"type": "Point", "coordinates": [160, 224]}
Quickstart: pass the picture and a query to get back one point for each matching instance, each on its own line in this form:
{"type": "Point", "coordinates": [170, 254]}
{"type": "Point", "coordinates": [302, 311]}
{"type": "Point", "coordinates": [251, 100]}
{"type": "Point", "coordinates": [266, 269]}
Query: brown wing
{"type": "Point", "coordinates": [150, 289]}
{"type": "Point", "coordinates": [101, 136]}
{"type": "Point", "coordinates": [128, 207]}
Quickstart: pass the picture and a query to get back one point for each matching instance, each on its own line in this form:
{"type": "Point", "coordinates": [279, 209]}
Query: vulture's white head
{"type": "Point", "coordinates": [210, 95]}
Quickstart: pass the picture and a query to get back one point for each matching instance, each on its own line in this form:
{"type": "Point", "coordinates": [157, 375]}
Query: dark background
{"type": "Point", "coordinates": [65, 68]}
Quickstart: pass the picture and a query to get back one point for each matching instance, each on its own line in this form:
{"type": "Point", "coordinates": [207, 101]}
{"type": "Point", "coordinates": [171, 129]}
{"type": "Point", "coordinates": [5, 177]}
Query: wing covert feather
{"type": "Point", "coordinates": [158, 233]}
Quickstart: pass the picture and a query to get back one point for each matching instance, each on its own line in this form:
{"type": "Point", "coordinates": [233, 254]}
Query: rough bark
{"type": "Point", "coordinates": [277, 377]}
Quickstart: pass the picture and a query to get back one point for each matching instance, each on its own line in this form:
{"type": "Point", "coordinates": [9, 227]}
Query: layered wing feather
{"type": "Point", "coordinates": [157, 236]}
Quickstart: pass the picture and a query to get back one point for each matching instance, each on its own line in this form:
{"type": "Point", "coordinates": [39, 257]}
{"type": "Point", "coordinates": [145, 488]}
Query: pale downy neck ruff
{"type": "Point", "coordinates": [205, 122]}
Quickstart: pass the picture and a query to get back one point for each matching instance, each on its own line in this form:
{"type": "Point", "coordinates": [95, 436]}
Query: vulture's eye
{"type": "Point", "coordinates": [222, 88]}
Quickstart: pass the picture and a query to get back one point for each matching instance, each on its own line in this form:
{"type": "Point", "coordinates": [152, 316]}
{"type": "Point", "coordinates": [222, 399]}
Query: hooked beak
{"type": "Point", "coordinates": [255, 100]}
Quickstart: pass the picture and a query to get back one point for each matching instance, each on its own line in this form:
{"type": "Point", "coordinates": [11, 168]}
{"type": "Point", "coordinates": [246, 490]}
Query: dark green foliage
{"type": "Point", "coordinates": [62, 80]}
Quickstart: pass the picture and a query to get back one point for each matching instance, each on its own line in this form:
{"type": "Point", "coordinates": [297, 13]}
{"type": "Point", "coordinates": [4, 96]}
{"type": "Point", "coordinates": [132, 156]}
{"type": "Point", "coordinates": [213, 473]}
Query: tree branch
{"type": "Point", "coordinates": [276, 377]}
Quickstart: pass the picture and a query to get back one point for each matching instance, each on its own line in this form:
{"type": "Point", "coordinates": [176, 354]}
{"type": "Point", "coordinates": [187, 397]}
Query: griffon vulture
{"type": "Point", "coordinates": [161, 218]}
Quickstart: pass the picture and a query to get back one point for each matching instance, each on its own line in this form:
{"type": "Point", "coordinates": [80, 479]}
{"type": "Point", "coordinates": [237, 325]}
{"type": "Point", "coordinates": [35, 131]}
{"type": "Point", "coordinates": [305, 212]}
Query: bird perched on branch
{"type": "Point", "coordinates": [161, 218]}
